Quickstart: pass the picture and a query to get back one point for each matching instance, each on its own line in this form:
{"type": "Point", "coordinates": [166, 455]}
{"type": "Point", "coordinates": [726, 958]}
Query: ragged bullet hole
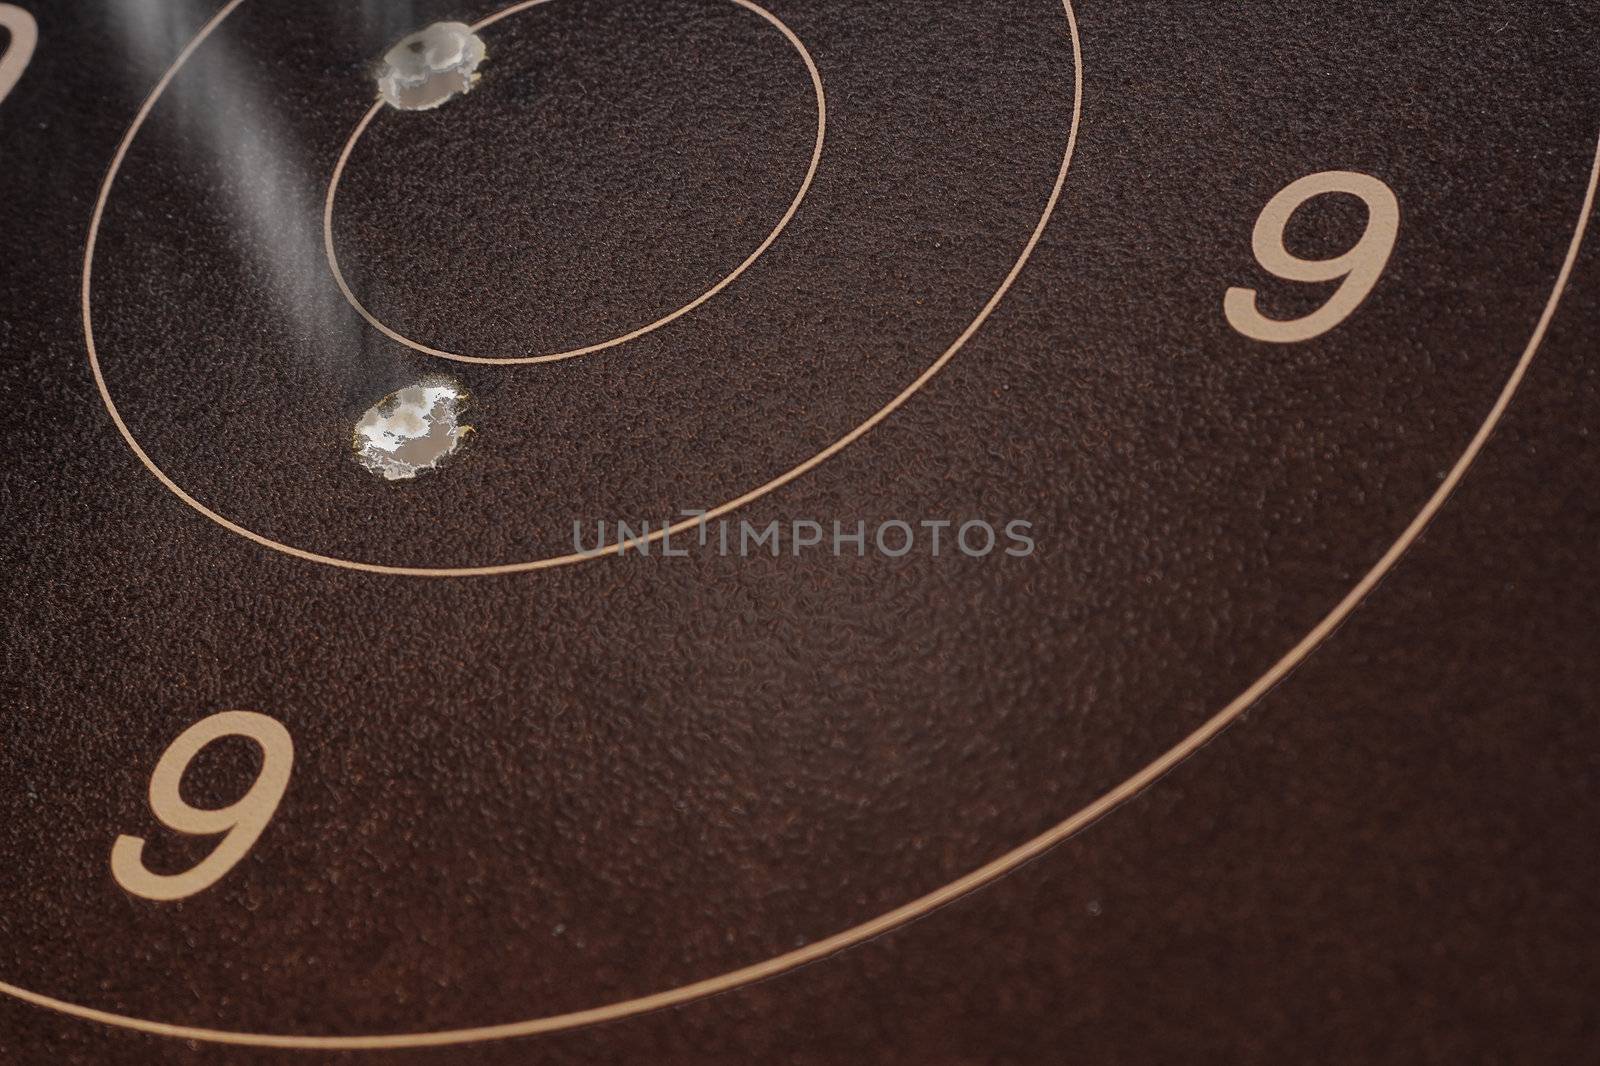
{"type": "Point", "coordinates": [412, 430]}
{"type": "Point", "coordinates": [431, 66]}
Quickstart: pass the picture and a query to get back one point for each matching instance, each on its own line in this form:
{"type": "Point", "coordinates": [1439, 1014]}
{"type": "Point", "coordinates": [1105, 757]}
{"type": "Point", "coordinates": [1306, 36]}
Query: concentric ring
{"type": "Point", "coordinates": [985, 874]}
{"type": "Point", "coordinates": [711, 513]}
{"type": "Point", "coordinates": [551, 357]}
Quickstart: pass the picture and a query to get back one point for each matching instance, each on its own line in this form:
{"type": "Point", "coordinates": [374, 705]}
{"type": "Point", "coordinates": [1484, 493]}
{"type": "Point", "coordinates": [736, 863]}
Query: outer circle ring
{"type": "Point", "coordinates": [977, 878]}
{"type": "Point", "coordinates": [551, 357]}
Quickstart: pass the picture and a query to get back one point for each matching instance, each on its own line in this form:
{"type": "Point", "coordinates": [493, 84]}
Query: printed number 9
{"type": "Point", "coordinates": [1359, 267]}
{"type": "Point", "coordinates": [24, 34]}
{"type": "Point", "coordinates": [242, 820]}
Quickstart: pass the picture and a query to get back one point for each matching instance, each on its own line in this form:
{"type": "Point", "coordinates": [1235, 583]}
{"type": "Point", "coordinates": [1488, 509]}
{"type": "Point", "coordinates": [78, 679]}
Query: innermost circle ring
{"type": "Point", "coordinates": [550, 357]}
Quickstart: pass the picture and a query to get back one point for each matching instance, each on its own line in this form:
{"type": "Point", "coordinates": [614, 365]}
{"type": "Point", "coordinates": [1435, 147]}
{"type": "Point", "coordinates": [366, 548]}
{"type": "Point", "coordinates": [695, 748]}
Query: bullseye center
{"type": "Point", "coordinates": [589, 182]}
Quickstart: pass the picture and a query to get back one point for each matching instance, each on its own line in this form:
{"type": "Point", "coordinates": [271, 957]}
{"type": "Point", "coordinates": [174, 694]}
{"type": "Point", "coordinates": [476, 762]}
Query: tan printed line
{"type": "Point", "coordinates": [551, 357]}
{"type": "Point", "coordinates": [995, 868]}
{"type": "Point", "coordinates": [711, 513]}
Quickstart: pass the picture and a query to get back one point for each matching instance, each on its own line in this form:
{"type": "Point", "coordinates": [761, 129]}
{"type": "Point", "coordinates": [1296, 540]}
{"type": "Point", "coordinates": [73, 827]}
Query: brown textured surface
{"type": "Point", "coordinates": [519, 796]}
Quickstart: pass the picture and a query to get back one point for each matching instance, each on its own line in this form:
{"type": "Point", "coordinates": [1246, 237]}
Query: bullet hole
{"type": "Point", "coordinates": [431, 66]}
{"type": "Point", "coordinates": [412, 430]}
